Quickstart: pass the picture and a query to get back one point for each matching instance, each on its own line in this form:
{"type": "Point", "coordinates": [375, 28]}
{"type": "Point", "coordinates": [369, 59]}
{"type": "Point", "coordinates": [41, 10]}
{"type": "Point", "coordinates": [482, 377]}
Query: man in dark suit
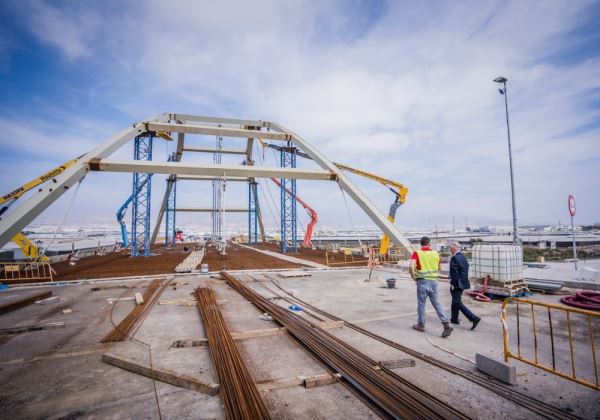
{"type": "Point", "coordinates": [459, 282]}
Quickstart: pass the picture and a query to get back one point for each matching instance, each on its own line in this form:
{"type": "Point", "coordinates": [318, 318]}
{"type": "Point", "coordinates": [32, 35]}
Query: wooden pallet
{"type": "Point", "coordinates": [508, 290]}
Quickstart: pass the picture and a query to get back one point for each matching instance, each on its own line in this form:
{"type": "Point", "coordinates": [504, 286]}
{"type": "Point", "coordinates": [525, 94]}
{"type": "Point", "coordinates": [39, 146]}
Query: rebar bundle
{"type": "Point", "coordinates": [238, 391]}
{"type": "Point", "coordinates": [134, 319]}
{"type": "Point", "coordinates": [386, 392]}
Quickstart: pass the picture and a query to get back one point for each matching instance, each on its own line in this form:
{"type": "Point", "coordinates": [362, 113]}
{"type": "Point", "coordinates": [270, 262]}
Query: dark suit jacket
{"type": "Point", "coordinates": [459, 271]}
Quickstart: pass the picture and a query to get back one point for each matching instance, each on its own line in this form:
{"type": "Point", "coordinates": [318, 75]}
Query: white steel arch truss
{"type": "Point", "coordinates": [247, 130]}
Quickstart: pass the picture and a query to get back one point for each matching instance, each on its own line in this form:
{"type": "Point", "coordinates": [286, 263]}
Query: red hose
{"type": "Point", "coordinates": [480, 296]}
{"type": "Point", "coordinates": [583, 300]}
{"type": "Point", "coordinates": [593, 297]}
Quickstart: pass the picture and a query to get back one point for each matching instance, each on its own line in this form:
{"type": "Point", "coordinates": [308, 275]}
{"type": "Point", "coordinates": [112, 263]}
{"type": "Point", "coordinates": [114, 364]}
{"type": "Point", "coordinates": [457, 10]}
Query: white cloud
{"type": "Point", "coordinates": [409, 96]}
{"type": "Point", "coordinates": [65, 29]}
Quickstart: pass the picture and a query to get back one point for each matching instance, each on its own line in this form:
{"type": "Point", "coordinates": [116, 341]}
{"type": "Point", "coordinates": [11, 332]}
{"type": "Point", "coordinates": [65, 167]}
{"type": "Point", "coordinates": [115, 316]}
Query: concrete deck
{"type": "Point", "coordinates": [58, 373]}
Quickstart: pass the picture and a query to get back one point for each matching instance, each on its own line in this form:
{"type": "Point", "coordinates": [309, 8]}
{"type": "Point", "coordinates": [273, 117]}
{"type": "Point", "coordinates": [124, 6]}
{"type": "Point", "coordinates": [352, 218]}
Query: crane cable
{"type": "Point", "coordinates": [262, 158]}
{"type": "Point", "coordinates": [350, 215]}
{"type": "Point", "coordinates": [59, 227]}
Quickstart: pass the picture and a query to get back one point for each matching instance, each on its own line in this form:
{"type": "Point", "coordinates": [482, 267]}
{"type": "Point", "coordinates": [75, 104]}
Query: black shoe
{"type": "Point", "coordinates": [447, 330]}
{"type": "Point", "coordinates": [475, 323]}
{"type": "Point", "coordinates": [419, 327]}
{"type": "Point", "coordinates": [455, 322]}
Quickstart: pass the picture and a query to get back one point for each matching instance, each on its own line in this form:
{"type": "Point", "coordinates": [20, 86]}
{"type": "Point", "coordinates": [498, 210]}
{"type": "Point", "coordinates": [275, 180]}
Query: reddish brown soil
{"type": "Point", "coordinates": [239, 258]}
{"type": "Point", "coordinates": [120, 264]}
{"type": "Point", "coordinates": [316, 255]}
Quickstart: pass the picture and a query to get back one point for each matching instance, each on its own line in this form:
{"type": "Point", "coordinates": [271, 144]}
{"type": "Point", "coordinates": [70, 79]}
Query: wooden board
{"type": "Point", "coordinates": [28, 328]}
{"type": "Point", "coordinates": [292, 274]}
{"type": "Point", "coordinates": [14, 304]}
{"type": "Point", "coordinates": [139, 299]}
{"type": "Point", "coordinates": [243, 335]}
{"type": "Point", "coordinates": [163, 375]}
{"type": "Point", "coordinates": [398, 363]}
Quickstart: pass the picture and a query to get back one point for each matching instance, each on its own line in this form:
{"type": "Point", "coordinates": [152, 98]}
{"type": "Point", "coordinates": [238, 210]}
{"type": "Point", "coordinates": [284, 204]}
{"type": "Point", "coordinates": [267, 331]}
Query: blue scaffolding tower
{"type": "Point", "coordinates": [170, 233]}
{"type": "Point", "coordinates": [140, 235]}
{"type": "Point", "coordinates": [288, 202]}
{"type": "Point", "coordinates": [252, 212]}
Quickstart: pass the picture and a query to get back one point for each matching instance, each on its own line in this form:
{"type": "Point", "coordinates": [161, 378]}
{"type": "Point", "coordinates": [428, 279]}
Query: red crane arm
{"type": "Point", "coordinates": [313, 214]}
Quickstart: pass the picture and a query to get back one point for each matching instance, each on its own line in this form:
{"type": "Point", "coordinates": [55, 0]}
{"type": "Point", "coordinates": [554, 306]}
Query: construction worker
{"type": "Point", "coordinates": [424, 269]}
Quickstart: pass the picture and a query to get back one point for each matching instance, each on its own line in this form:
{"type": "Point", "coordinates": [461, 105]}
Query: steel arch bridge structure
{"type": "Point", "coordinates": [168, 125]}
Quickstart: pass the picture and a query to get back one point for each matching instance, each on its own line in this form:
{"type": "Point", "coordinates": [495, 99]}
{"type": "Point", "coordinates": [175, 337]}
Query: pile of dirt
{"type": "Point", "coordinates": [317, 255]}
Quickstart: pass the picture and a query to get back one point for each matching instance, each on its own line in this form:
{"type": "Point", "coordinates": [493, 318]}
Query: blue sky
{"type": "Point", "coordinates": [402, 89]}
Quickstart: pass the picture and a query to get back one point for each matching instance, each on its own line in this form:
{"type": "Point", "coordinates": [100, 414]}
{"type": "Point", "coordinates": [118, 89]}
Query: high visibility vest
{"type": "Point", "coordinates": [429, 261]}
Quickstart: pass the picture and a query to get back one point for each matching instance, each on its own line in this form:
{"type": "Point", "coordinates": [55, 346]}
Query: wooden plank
{"type": "Point", "coordinates": [139, 299]}
{"type": "Point", "coordinates": [397, 363]}
{"type": "Point", "coordinates": [272, 384]}
{"type": "Point", "coordinates": [257, 333]}
{"type": "Point", "coordinates": [324, 378]}
{"type": "Point", "coordinates": [198, 342]}
{"type": "Point", "coordinates": [306, 381]}
{"type": "Point", "coordinates": [186, 300]}
{"type": "Point", "coordinates": [321, 380]}
{"type": "Point", "coordinates": [163, 375]}
{"type": "Point", "coordinates": [292, 274]}
{"type": "Point", "coordinates": [243, 335]}
{"type": "Point", "coordinates": [121, 299]}
{"type": "Point", "coordinates": [20, 302]}
{"type": "Point", "coordinates": [28, 328]}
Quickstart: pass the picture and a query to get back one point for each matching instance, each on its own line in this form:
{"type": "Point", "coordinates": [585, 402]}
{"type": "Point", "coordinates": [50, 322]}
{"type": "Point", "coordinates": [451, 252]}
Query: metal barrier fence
{"type": "Point", "coordinates": [334, 258]}
{"type": "Point", "coordinates": [593, 318]}
{"type": "Point", "coordinates": [25, 271]}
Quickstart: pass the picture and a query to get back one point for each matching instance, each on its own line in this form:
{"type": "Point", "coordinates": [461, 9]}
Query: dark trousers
{"type": "Point", "coordinates": [457, 305]}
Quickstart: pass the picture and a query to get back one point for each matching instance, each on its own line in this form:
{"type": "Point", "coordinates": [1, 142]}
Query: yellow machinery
{"type": "Point", "coordinates": [29, 249]}
{"type": "Point", "coordinates": [398, 189]}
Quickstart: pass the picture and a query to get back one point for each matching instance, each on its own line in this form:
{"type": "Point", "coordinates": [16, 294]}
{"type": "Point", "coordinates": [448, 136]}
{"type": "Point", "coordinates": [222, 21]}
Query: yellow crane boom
{"type": "Point", "coordinates": [29, 249]}
{"type": "Point", "coordinates": [397, 188]}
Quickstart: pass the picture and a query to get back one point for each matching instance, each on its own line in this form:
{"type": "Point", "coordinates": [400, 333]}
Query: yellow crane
{"type": "Point", "coordinates": [29, 249]}
{"type": "Point", "coordinates": [397, 188]}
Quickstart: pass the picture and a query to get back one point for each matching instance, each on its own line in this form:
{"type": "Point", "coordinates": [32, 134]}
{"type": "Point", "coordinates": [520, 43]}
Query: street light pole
{"type": "Point", "coordinates": [503, 91]}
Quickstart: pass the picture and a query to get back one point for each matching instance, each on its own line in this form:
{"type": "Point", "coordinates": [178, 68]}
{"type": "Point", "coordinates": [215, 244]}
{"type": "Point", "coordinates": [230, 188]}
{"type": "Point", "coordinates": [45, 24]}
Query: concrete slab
{"type": "Point", "coordinates": [287, 258]}
{"type": "Point", "coordinates": [59, 373]}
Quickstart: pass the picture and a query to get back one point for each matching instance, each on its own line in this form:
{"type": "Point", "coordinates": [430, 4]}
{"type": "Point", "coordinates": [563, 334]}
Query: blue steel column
{"type": "Point", "coordinates": [252, 212]}
{"type": "Point", "coordinates": [140, 235]}
{"type": "Point", "coordinates": [170, 211]}
{"type": "Point", "coordinates": [171, 208]}
{"type": "Point", "coordinates": [288, 202]}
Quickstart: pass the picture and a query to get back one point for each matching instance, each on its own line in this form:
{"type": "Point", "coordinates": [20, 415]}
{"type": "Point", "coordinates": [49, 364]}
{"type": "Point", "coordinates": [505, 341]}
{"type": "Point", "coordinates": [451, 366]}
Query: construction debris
{"type": "Point", "coordinates": [238, 391]}
{"type": "Point", "coordinates": [163, 375]}
{"type": "Point", "coordinates": [20, 302]}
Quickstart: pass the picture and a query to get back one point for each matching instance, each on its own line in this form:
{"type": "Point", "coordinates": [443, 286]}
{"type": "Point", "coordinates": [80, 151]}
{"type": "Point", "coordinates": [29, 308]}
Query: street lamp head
{"type": "Point", "coordinates": [501, 79]}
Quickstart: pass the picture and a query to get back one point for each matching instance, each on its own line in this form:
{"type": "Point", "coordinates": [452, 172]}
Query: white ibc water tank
{"type": "Point", "coordinates": [501, 262]}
